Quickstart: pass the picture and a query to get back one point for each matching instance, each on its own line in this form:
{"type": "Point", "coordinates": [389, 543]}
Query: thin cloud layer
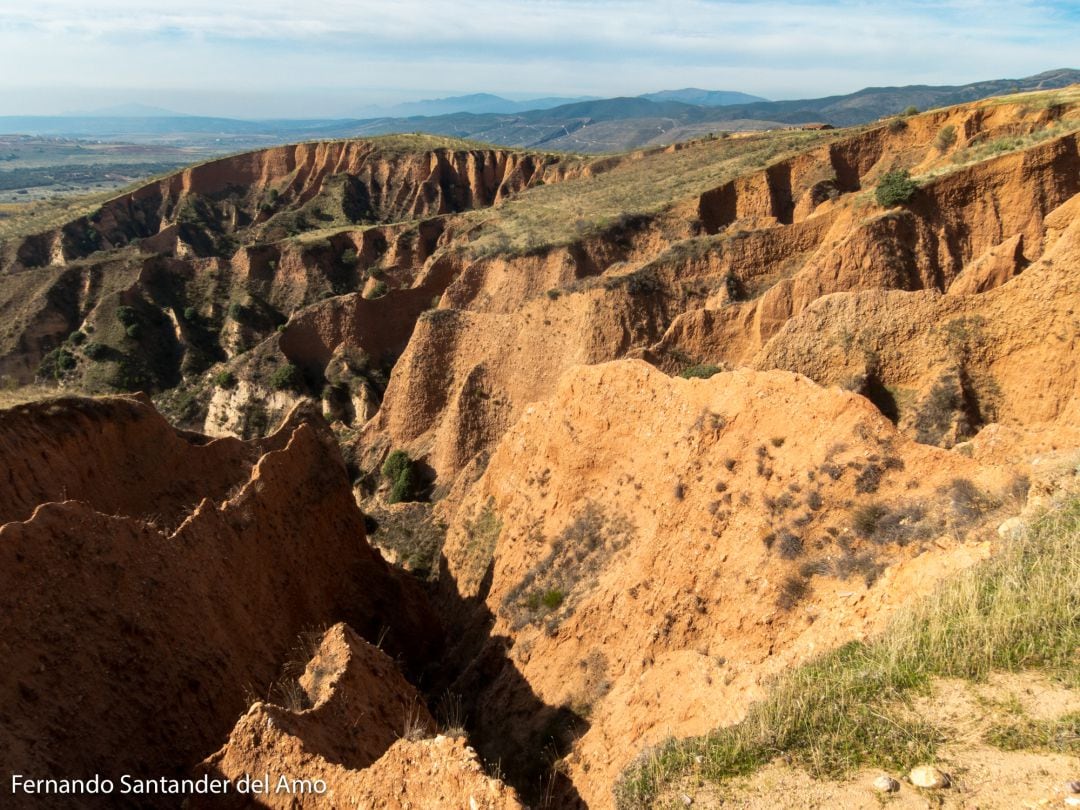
{"type": "Point", "coordinates": [334, 53]}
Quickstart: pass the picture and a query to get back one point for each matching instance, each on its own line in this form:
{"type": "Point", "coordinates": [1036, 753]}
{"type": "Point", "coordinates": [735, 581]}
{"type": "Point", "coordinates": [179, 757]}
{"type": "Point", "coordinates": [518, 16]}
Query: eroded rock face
{"type": "Point", "coordinates": [362, 731]}
{"type": "Point", "coordinates": [187, 243]}
{"type": "Point", "coordinates": [1006, 356]}
{"type": "Point", "coordinates": [380, 185]}
{"type": "Point", "coordinates": [732, 298]}
{"type": "Point", "coordinates": [611, 531]}
{"type": "Point", "coordinates": [137, 646]}
{"type": "Point", "coordinates": [636, 531]}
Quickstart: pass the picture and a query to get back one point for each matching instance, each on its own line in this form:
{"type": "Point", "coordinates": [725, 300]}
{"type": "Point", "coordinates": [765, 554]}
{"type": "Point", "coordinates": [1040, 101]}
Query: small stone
{"type": "Point", "coordinates": [473, 804]}
{"type": "Point", "coordinates": [1011, 529]}
{"type": "Point", "coordinates": [928, 777]}
{"type": "Point", "coordinates": [886, 784]}
{"type": "Point", "coordinates": [1072, 801]}
{"type": "Point", "coordinates": [685, 799]}
{"type": "Point", "coordinates": [1073, 786]}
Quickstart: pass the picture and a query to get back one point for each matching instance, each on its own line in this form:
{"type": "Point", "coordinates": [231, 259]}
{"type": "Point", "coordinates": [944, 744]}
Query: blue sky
{"type": "Point", "coordinates": [274, 58]}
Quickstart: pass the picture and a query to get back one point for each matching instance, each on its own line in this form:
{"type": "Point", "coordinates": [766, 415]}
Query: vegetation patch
{"type": "Point", "coordinates": [225, 379]}
{"type": "Point", "coordinates": [482, 533]}
{"type": "Point", "coordinates": [1060, 735]}
{"type": "Point", "coordinates": [569, 569]}
{"type": "Point", "coordinates": [287, 378]}
{"type": "Point", "coordinates": [400, 472]}
{"type": "Point", "coordinates": [895, 188]}
{"type": "Point", "coordinates": [699, 371]}
{"type": "Point", "coordinates": [56, 364]}
{"type": "Point", "coordinates": [852, 707]}
{"type": "Point", "coordinates": [413, 534]}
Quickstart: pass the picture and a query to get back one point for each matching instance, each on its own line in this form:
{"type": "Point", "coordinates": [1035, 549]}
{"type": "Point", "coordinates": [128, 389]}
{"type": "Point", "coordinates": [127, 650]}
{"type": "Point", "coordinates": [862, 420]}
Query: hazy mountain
{"type": "Point", "coordinates": [872, 103]}
{"type": "Point", "coordinates": [589, 125]}
{"type": "Point", "coordinates": [703, 98]}
{"type": "Point", "coordinates": [132, 110]}
{"type": "Point", "coordinates": [477, 103]}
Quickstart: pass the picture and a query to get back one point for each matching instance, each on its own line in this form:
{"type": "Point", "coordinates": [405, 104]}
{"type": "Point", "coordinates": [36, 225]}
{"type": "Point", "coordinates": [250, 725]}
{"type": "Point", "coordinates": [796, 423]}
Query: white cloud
{"type": "Point", "coordinates": [410, 48]}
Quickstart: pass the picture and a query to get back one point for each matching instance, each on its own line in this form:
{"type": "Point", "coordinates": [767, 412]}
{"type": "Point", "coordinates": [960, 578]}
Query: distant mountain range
{"type": "Point", "coordinates": [582, 125]}
{"type": "Point", "coordinates": [703, 98]}
{"type": "Point", "coordinates": [133, 110]}
{"type": "Point", "coordinates": [478, 103]}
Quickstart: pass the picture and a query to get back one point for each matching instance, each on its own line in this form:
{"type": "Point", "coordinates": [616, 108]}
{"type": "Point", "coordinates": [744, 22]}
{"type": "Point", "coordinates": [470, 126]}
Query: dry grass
{"type": "Point", "coordinates": [1019, 610]}
{"type": "Point", "coordinates": [20, 219]}
{"type": "Point", "coordinates": [23, 219]}
{"type": "Point", "coordinates": [1038, 99]}
{"type": "Point", "coordinates": [10, 395]}
{"type": "Point", "coordinates": [562, 212]}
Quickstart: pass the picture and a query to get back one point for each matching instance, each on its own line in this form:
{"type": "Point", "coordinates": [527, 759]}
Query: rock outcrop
{"type": "Point", "coordinates": [362, 737]}
{"type": "Point", "coordinates": [635, 531]}
{"type": "Point", "coordinates": [130, 647]}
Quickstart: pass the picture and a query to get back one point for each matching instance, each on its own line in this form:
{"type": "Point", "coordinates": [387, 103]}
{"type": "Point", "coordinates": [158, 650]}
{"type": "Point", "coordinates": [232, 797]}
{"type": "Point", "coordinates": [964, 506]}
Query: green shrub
{"type": "Point", "coordinates": [552, 598]}
{"type": "Point", "coordinates": [699, 371]}
{"type": "Point", "coordinates": [404, 488]}
{"type": "Point", "coordinates": [895, 188]}
{"type": "Point", "coordinates": [946, 137]}
{"type": "Point", "coordinates": [399, 470]}
{"type": "Point", "coordinates": [379, 289]}
{"type": "Point", "coordinates": [190, 314]}
{"type": "Point", "coordinates": [56, 364]}
{"type": "Point", "coordinates": [225, 379]}
{"type": "Point", "coordinates": [912, 110]}
{"type": "Point", "coordinates": [95, 351]}
{"type": "Point", "coordinates": [134, 331]}
{"type": "Point", "coordinates": [395, 462]}
{"type": "Point", "coordinates": [897, 125]}
{"type": "Point", "coordinates": [127, 315]}
{"type": "Point", "coordinates": [349, 257]}
{"type": "Point", "coordinates": [77, 338]}
{"type": "Point", "coordinates": [287, 377]}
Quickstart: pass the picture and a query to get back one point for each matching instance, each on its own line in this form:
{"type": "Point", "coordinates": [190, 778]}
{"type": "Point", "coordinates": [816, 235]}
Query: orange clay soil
{"type": "Point", "coordinates": [131, 648]}
{"type": "Point", "coordinates": [628, 556]}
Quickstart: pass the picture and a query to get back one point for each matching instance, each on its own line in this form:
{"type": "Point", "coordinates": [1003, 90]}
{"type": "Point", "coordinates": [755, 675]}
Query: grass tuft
{"type": "Point", "coordinates": [851, 708]}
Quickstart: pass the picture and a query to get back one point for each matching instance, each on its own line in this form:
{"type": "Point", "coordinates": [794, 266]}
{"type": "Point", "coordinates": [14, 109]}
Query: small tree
{"type": "Point", "coordinates": [127, 315]}
{"type": "Point", "coordinates": [95, 351]}
{"type": "Point", "coordinates": [895, 188]}
{"type": "Point", "coordinates": [404, 487]}
{"type": "Point", "coordinates": [395, 463]}
{"type": "Point", "coordinates": [398, 469]}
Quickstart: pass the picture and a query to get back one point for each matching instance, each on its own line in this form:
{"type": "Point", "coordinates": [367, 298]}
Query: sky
{"type": "Point", "coordinates": [272, 58]}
